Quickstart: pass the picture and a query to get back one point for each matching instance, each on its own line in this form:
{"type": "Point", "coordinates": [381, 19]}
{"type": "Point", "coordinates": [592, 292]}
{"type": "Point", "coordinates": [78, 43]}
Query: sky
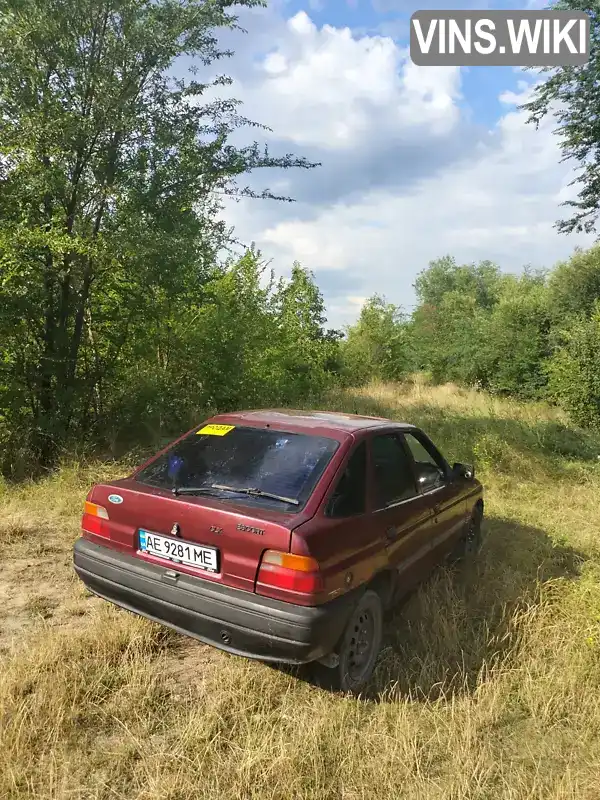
{"type": "Point", "coordinates": [416, 162]}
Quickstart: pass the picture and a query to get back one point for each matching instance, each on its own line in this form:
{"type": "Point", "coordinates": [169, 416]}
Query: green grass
{"type": "Point", "coordinates": [488, 684]}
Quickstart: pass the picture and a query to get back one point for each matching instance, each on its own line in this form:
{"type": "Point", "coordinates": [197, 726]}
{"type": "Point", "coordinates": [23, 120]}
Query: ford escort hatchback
{"type": "Point", "coordinates": [281, 535]}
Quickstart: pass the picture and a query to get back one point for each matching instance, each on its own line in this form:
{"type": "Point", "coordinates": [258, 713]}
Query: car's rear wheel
{"type": "Point", "coordinates": [357, 651]}
{"type": "Point", "coordinates": [470, 541]}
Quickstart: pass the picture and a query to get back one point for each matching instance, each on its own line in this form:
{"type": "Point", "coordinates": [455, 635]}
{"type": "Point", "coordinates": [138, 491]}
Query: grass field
{"type": "Point", "coordinates": [488, 685]}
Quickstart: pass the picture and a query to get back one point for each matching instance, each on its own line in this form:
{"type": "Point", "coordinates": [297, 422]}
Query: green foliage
{"type": "Point", "coordinates": [572, 96]}
{"type": "Point", "coordinates": [378, 345]}
{"type": "Point", "coordinates": [532, 336]}
{"type": "Point", "coordinates": [120, 322]}
{"type": "Point", "coordinates": [304, 353]}
{"type": "Point", "coordinates": [111, 172]}
{"type": "Point", "coordinates": [515, 338]}
{"type": "Point", "coordinates": [574, 370]}
{"type": "Point", "coordinates": [447, 338]}
{"type": "Point", "coordinates": [448, 325]}
{"type": "Point", "coordinates": [246, 342]}
{"type": "Point", "coordinates": [479, 281]}
{"type": "Point", "coordinates": [492, 453]}
{"type": "Point", "coordinates": [476, 326]}
{"type": "Point", "coordinates": [574, 285]}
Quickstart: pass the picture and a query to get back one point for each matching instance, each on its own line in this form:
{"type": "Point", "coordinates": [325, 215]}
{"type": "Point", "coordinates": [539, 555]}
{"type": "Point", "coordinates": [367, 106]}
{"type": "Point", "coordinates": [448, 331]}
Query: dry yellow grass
{"type": "Point", "coordinates": [488, 686]}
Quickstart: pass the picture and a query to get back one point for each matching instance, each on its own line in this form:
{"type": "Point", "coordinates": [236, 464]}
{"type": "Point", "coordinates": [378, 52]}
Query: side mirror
{"type": "Point", "coordinates": [463, 470]}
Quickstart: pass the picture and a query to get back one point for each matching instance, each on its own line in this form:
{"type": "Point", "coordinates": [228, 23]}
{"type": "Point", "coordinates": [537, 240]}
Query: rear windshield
{"type": "Point", "coordinates": [284, 464]}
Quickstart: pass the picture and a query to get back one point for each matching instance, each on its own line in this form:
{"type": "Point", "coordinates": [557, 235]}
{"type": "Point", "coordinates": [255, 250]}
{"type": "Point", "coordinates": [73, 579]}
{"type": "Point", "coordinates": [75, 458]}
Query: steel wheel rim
{"type": "Point", "coordinates": [360, 647]}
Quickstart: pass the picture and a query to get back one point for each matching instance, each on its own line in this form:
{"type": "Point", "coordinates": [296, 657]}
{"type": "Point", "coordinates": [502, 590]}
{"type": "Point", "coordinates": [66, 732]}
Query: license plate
{"type": "Point", "coordinates": [194, 555]}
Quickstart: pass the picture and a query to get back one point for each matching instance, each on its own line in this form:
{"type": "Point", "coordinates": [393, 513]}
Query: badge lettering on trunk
{"type": "Point", "coordinates": [176, 530]}
{"type": "Point", "coordinates": [250, 528]}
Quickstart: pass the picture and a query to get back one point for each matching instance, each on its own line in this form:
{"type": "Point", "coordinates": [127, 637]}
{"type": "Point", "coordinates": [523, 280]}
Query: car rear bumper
{"type": "Point", "coordinates": [233, 620]}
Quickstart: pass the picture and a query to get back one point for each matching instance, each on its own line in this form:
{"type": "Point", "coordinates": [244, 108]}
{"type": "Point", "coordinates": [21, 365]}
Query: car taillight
{"type": "Point", "coordinates": [288, 571]}
{"type": "Point", "coordinates": [94, 519]}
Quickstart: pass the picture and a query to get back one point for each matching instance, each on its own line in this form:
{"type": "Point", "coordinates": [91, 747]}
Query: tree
{"type": "Point", "coordinates": [574, 370]}
{"type": "Point", "coordinates": [226, 347]}
{"type": "Point", "coordinates": [444, 275]}
{"type": "Point", "coordinates": [378, 345]}
{"type": "Point", "coordinates": [574, 285]}
{"type": "Point", "coordinates": [447, 338]}
{"type": "Point", "coordinates": [306, 352]}
{"type": "Point", "coordinates": [516, 338]}
{"type": "Point", "coordinates": [572, 96]}
{"type": "Point", "coordinates": [448, 324]}
{"type": "Point", "coordinates": [248, 341]}
{"type": "Point", "coordinates": [111, 174]}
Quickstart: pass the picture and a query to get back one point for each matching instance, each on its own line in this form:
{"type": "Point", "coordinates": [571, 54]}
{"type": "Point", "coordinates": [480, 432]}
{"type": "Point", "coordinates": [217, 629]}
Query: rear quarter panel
{"type": "Point", "coordinates": [349, 552]}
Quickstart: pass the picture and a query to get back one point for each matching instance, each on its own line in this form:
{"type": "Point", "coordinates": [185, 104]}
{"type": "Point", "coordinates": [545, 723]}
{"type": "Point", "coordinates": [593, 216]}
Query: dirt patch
{"type": "Point", "coordinates": [188, 662]}
{"type": "Point", "coordinates": [37, 590]}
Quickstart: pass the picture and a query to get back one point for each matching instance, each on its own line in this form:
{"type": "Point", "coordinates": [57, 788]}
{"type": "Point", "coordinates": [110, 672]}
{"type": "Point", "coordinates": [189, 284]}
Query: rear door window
{"type": "Point", "coordinates": [349, 496]}
{"type": "Point", "coordinates": [285, 464]}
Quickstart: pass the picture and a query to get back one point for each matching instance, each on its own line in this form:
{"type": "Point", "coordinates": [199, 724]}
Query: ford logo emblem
{"type": "Point", "coordinates": [115, 498]}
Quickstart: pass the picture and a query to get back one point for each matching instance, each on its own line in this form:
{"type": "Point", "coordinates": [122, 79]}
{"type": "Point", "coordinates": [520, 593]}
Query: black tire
{"type": "Point", "coordinates": [359, 645]}
{"type": "Point", "coordinates": [469, 543]}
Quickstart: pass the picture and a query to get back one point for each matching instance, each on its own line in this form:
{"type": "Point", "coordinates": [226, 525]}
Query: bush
{"type": "Point", "coordinates": [378, 346]}
{"type": "Point", "coordinates": [574, 371]}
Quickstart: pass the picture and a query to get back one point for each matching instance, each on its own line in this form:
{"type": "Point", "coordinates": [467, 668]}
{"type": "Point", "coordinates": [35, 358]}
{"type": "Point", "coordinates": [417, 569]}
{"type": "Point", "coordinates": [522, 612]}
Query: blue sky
{"type": "Point", "coordinates": [417, 162]}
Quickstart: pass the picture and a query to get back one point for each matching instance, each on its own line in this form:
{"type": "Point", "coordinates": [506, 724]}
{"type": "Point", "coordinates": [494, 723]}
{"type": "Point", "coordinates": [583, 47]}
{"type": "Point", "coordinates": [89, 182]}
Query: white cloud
{"type": "Point", "coordinates": [326, 88]}
{"type": "Point", "coordinates": [331, 91]}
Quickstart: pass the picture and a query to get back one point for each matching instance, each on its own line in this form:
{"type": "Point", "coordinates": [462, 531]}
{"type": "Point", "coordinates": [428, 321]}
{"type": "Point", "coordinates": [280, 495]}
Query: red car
{"type": "Point", "coordinates": [281, 535]}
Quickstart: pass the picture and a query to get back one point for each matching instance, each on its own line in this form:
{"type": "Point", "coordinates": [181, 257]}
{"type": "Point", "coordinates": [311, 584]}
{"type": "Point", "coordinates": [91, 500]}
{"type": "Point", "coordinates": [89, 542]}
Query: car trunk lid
{"type": "Point", "coordinates": [240, 533]}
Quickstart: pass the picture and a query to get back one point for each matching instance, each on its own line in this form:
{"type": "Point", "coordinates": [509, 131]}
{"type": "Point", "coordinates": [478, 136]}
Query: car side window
{"type": "Point", "coordinates": [429, 468]}
{"type": "Point", "coordinates": [349, 496]}
{"type": "Point", "coordinates": [392, 471]}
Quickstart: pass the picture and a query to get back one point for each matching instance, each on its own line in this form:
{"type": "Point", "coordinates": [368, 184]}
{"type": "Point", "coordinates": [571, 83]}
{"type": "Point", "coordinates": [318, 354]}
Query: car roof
{"type": "Point", "coordinates": [322, 420]}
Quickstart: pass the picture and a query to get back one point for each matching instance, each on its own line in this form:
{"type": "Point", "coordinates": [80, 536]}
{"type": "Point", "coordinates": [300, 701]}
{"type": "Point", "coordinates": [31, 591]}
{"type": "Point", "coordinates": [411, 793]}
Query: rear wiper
{"type": "Point", "coordinates": [177, 490]}
{"type": "Point", "coordinates": [256, 493]}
